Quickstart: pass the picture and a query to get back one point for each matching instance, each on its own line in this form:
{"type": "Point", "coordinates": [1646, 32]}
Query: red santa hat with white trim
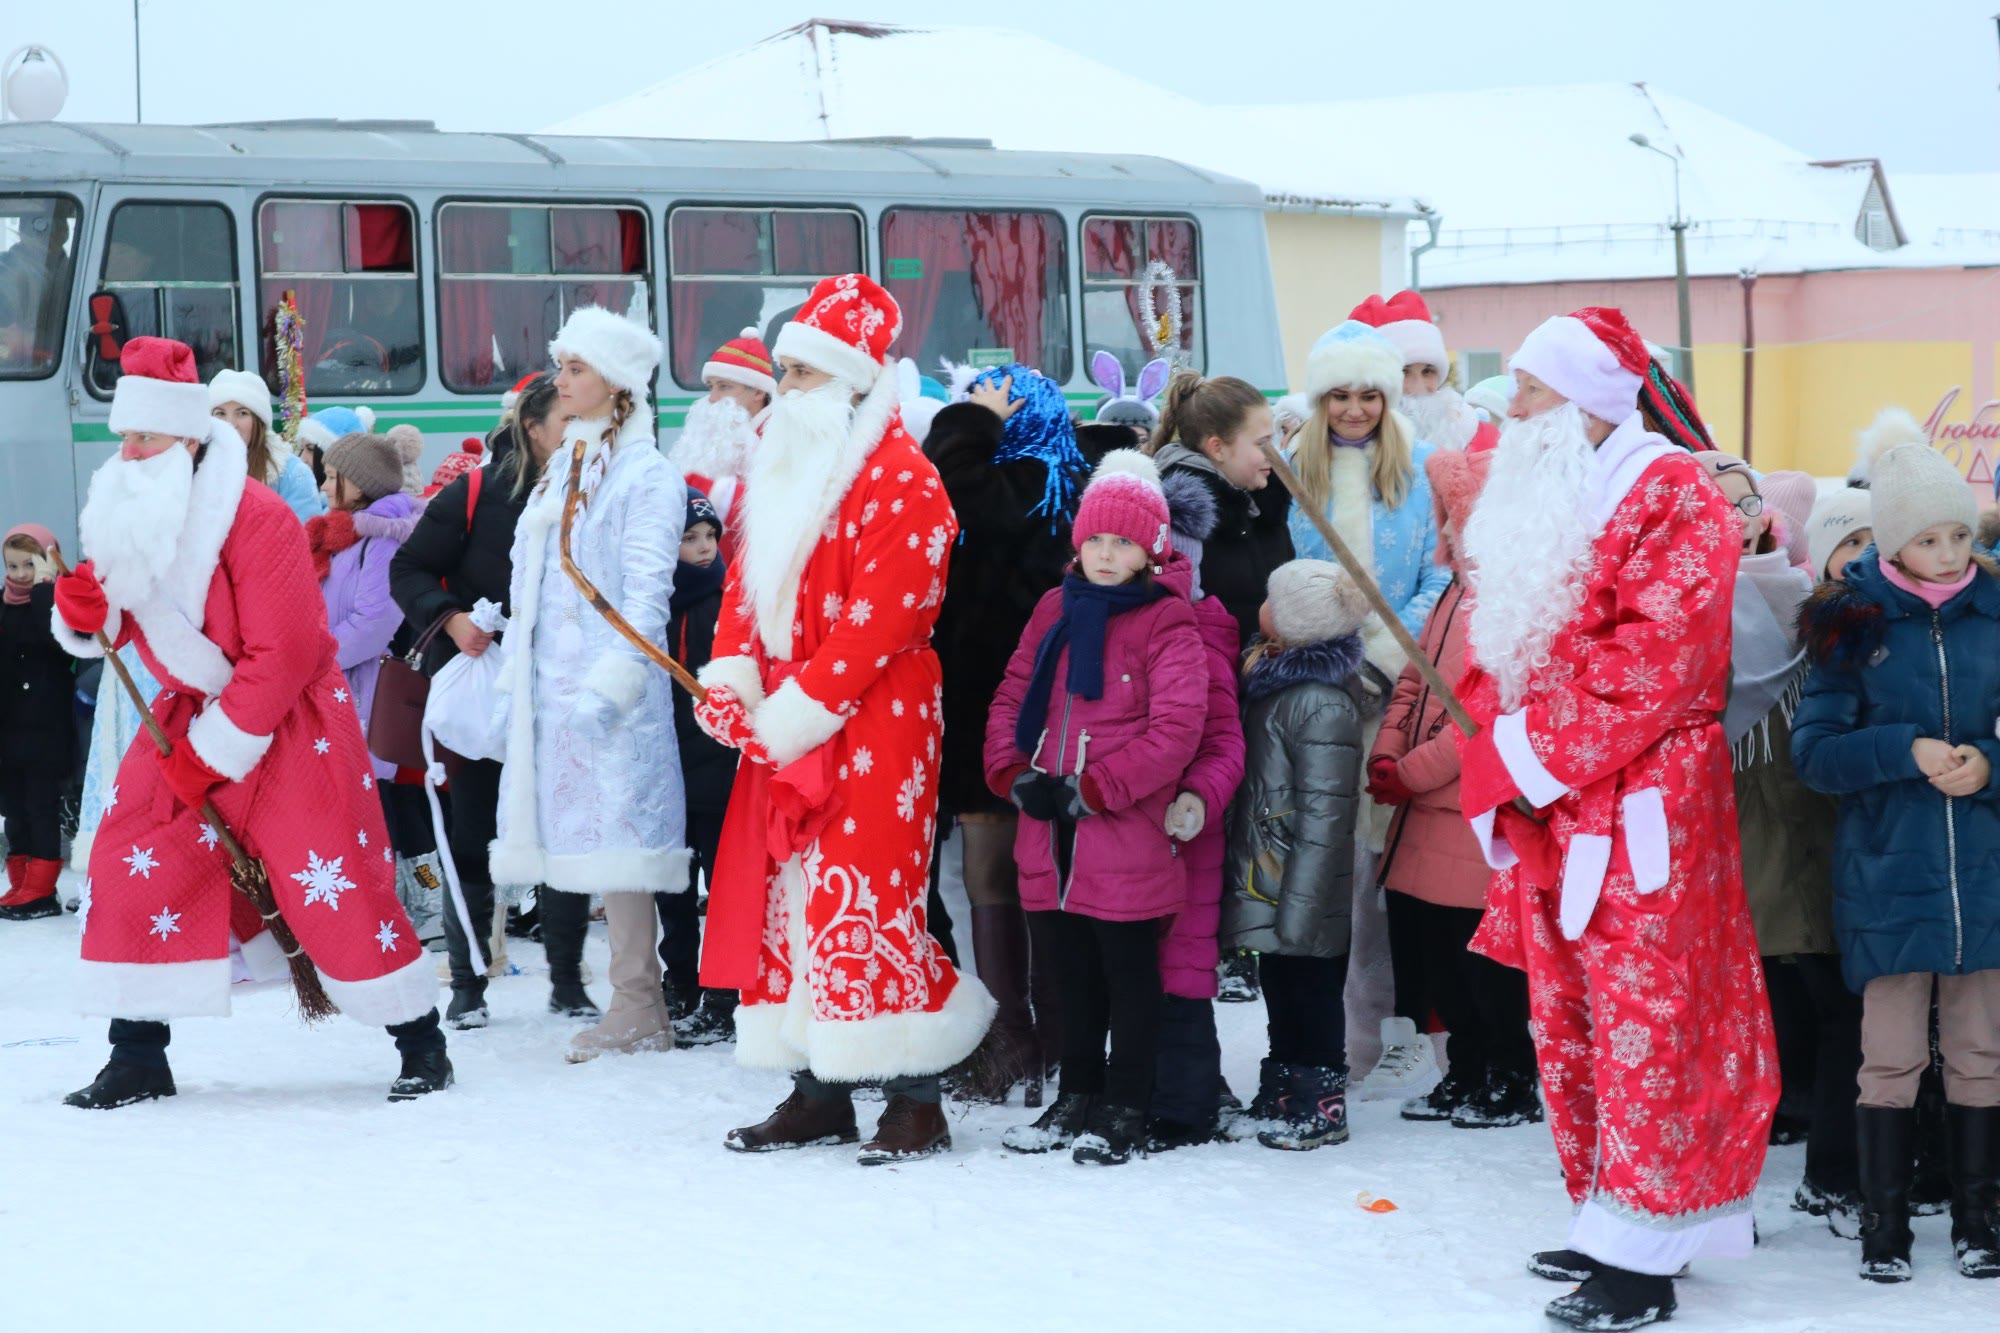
{"type": "Point", "coordinates": [743, 360]}
{"type": "Point", "coordinates": [159, 392]}
{"type": "Point", "coordinates": [845, 328]}
{"type": "Point", "coordinates": [1405, 320]}
{"type": "Point", "coordinates": [1593, 357]}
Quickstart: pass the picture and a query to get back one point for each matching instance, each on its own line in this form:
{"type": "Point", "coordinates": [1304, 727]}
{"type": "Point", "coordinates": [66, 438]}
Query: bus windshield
{"type": "Point", "coordinates": [38, 240]}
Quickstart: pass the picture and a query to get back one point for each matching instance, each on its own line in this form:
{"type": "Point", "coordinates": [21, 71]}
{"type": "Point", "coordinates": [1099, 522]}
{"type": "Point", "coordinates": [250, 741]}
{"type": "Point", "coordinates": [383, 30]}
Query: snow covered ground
{"type": "Point", "coordinates": [536, 1195]}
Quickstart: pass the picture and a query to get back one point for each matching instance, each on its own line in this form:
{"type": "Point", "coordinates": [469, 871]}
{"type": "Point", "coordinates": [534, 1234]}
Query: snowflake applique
{"type": "Point", "coordinates": [864, 760]}
{"type": "Point", "coordinates": [847, 826]}
{"type": "Point", "coordinates": [387, 937]}
{"type": "Point", "coordinates": [860, 611]}
{"type": "Point", "coordinates": [903, 477]}
{"type": "Point", "coordinates": [896, 707]}
{"type": "Point", "coordinates": [142, 862]}
{"type": "Point", "coordinates": [209, 837]}
{"type": "Point", "coordinates": [362, 837]}
{"type": "Point", "coordinates": [368, 782]}
{"type": "Point", "coordinates": [166, 923]}
{"type": "Point", "coordinates": [940, 540]}
{"type": "Point", "coordinates": [111, 799]}
{"type": "Point", "coordinates": [323, 881]}
{"type": "Point", "coordinates": [909, 791]}
{"type": "Point", "coordinates": [909, 600]}
{"type": "Point", "coordinates": [322, 745]}
{"type": "Point", "coordinates": [1631, 1043]}
{"type": "Point", "coordinates": [830, 608]}
{"type": "Point", "coordinates": [840, 667]}
{"type": "Point", "coordinates": [340, 696]}
{"type": "Point", "coordinates": [895, 879]}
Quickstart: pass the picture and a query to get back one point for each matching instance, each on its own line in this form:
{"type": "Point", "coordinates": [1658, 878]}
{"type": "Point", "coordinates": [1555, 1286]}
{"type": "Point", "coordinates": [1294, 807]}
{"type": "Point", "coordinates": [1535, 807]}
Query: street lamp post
{"type": "Point", "coordinates": [1679, 227]}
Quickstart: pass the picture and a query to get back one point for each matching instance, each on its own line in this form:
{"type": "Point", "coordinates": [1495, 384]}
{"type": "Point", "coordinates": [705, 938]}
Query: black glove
{"type": "Point", "coordinates": [1036, 795]}
{"type": "Point", "coordinates": [1074, 805]}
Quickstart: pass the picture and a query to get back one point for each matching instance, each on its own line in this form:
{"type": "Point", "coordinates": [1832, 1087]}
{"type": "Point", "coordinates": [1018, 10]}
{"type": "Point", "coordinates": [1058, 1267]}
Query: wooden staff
{"type": "Point", "coordinates": [1363, 580]}
{"type": "Point", "coordinates": [659, 656]}
{"type": "Point", "coordinates": [246, 875]}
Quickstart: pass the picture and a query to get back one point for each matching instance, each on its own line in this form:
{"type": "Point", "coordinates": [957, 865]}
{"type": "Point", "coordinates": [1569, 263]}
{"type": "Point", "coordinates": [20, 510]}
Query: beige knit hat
{"type": "Point", "coordinates": [372, 462]}
{"type": "Point", "coordinates": [1911, 488]}
{"type": "Point", "coordinates": [1314, 600]}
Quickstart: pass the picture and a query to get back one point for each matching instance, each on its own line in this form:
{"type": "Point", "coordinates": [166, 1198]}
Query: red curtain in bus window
{"type": "Point", "coordinates": [470, 240]}
{"type": "Point", "coordinates": [378, 239]}
{"type": "Point", "coordinates": [1172, 243]}
{"type": "Point", "coordinates": [588, 240]}
{"type": "Point", "coordinates": [1009, 256]}
{"type": "Point", "coordinates": [936, 242]}
{"type": "Point", "coordinates": [815, 245]}
{"type": "Point", "coordinates": [706, 241]}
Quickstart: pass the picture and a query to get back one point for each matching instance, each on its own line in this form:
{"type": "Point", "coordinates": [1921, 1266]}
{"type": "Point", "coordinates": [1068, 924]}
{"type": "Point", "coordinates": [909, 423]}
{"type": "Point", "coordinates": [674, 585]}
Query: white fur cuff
{"type": "Point", "coordinates": [1517, 752]}
{"type": "Point", "coordinates": [734, 673]}
{"type": "Point", "coordinates": [78, 644]}
{"type": "Point", "coordinates": [792, 724]}
{"type": "Point", "coordinates": [224, 746]}
{"type": "Point", "coordinates": [620, 679]}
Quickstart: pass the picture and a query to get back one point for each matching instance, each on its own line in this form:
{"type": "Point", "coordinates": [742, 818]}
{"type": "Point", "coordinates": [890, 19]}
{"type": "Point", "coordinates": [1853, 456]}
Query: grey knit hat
{"type": "Point", "coordinates": [1911, 488]}
{"type": "Point", "coordinates": [1314, 600]}
{"type": "Point", "coordinates": [372, 462]}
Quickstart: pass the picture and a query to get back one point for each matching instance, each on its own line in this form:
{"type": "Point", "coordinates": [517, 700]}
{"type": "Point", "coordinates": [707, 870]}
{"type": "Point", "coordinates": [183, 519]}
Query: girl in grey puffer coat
{"type": "Point", "coordinates": [1290, 872]}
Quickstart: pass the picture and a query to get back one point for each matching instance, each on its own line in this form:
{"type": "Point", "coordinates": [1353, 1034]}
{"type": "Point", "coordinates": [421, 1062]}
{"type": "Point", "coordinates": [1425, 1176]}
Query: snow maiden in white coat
{"type": "Point", "coordinates": [591, 799]}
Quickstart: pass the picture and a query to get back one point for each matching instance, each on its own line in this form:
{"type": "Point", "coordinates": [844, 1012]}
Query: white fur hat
{"type": "Point", "coordinates": [1354, 356]}
{"type": "Point", "coordinates": [1891, 427]}
{"type": "Point", "coordinates": [245, 387]}
{"type": "Point", "coordinates": [623, 351]}
{"type": "Point", "coordinates": [1911, 488]}
{"type": "Point", "coordinates": [1314, 600]}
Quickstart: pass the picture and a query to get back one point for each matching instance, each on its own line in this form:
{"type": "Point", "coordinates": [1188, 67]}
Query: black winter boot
{"type": "Point", "coordinates": [426, 1068]}
{"type": "Point", "coordinates": [1615, 1298]}
{"type": "Point", "coordinates": [1315, 1110]}
{"type": "Point", "coordinates": [1443, 1101]}
{"type": "Point", "coordinates": [1502, 1101]}
{"type": "Point", "coordinates": [468, 1006]}
{"type": "Point", "coordinates": [1884, 1135]}
{"type": "Point", "coordinates": [1055, 1128]}
{"type": "Point", "coordinates": [1263, 1111]}
{"type": "Point", "coordinates": [1974, 1135]}
{"type": "Point", "coordinates": [1113, 1135]}
{"type": "Point", "coordinates": [565, 920]}
{"type": "Point", "coordinates": [712, 1023]}
{"type": "Point", "coordinates": [120, 1084]}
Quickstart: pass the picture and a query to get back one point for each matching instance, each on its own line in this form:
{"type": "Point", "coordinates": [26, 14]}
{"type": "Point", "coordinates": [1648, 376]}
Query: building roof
{"type": "Point", "coordinates": [1530, 184]}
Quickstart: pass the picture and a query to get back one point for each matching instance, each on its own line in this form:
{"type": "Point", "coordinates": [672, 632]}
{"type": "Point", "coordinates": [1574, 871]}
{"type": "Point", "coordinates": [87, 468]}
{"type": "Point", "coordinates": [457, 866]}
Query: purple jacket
{"type": "Point", "coordinates": [1189, 952]}
{"type": "Point", "coordinates": [359, 610]}
{"type": "Point", "coordinates": [1134, 743]}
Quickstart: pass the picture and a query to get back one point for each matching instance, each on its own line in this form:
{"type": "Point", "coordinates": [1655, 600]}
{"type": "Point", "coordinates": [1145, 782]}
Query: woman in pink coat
{"type": "Point", "coordinates": [1433, 869]}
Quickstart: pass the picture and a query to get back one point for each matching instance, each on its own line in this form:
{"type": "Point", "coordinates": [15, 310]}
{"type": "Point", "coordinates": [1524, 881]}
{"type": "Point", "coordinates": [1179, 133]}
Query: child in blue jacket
{"type": "Point", "coordinates": [1898, 720]}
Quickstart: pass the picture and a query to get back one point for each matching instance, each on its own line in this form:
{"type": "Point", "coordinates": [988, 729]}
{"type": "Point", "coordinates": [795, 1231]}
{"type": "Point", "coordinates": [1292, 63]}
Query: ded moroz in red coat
{"type": "Point", "coordinates": [236, 632]}
{"type": "Point", "coordinates": [836, 666]}
{"type": "Point", "coordinates": [1626, 909]}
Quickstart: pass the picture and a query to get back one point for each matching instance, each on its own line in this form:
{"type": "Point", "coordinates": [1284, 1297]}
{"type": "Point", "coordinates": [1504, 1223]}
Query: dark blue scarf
{"type": "Point", "coordinates": [1086, 615]}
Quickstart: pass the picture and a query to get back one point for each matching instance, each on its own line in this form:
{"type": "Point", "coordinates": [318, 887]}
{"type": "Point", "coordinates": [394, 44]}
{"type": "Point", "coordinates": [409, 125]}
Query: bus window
{"type": "Point", "coordinates": [353, 272]}
{"type": "Point", "coordinates": [738, 268]}
{"type": "Point", "coordinates": [173, 266]}
{"type": "Point", "coordinates": [1116, 254]}
{"type": "Point", "coordinates": [987, 288]}
{"type": "Point", "coordinates": [37, 255]}
{"type": "Point", "coordinates": [509, 274]}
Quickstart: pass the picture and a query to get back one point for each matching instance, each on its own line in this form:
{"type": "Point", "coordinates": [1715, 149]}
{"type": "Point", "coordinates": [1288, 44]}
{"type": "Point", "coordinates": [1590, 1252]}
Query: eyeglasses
{"type": "Point", "coordinates": [1750, 506]}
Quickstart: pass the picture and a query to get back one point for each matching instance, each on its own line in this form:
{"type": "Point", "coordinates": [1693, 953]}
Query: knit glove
{"type": "Point", "coordinates": [1386, 785]}
{"type": "Point", "coordinates": [80, 600]}
{"type": "Point", "coordinates": [1080, 797]}
{"type": "Point", "coordinates": [1035, 794]}
{"type": "Point", "coordinates": [190, 780]}
{"type": "Point", "coordinates": [724, 718]}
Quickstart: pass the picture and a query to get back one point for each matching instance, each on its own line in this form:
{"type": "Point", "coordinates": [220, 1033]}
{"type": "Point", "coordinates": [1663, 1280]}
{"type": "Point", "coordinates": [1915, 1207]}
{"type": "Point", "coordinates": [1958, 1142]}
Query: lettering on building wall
{"type": "Point", "coordinates": [1970, 445]}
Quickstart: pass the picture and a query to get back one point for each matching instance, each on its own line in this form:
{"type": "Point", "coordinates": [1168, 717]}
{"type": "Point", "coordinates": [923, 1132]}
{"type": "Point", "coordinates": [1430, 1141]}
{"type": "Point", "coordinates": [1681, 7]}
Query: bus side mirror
{"type": "Point", "coordinates": [107, 325]}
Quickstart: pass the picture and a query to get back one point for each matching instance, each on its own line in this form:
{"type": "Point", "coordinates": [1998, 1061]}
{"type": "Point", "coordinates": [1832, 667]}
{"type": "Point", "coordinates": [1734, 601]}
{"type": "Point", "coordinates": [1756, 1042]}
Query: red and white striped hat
{"type": "Point", "coordinates": [743, 360]}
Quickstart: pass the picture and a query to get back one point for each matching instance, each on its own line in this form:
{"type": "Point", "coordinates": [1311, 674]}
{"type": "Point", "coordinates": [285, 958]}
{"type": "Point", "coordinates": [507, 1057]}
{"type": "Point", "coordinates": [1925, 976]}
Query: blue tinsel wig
{"type": "Point", "coordinates": [1041, 430]}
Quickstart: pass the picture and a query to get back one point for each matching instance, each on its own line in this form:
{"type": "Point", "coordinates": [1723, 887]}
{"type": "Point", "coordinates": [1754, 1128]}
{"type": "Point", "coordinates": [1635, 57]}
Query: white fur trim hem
{"type": "Point", "coordinates": [619, 679]}
{"type": "Point", "coordinates": [409, 992]}
{"type": "Point", "coordinates": [738, 674]}
{"type": "Point", "coordinates": [224, 746]}
{"type": "Point", "coordinates": [154, 991]}
{"type": "Point", "coordinates": [1664, 1250]}
{"type": "Point", "coordinates": [822, 351]}
{"type": "Point", "coordinates": [78, 644]}
{"type": "Point", "coordinates": [1583, 882]}
{"type": "Point", "coordinates": [792, 724]}
{"type": "Point", "coordinates": [614, 870]}
{"type": "Point", "coordinates": [1510, 738]}
{"type": "Point", "coordinates": [906, 1045]}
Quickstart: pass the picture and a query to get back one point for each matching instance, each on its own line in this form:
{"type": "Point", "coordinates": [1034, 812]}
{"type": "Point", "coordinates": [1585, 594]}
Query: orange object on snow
{"type": "Point", "coordinates": [1368, 1203]}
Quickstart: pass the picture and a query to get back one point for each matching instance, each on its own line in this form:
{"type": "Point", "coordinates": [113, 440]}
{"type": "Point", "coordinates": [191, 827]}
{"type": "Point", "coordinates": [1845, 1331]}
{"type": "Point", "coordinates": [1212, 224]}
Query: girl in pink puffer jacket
{"type": "Point", "coordinates": [1101, 712]}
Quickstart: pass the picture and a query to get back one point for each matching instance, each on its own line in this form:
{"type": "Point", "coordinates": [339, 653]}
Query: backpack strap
{"type": "Point", "coordinates": [472, 480]}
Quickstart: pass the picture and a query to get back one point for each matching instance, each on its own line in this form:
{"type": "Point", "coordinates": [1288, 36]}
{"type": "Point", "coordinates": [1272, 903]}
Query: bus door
{"type": "Point", "coordinates": [41, 237]}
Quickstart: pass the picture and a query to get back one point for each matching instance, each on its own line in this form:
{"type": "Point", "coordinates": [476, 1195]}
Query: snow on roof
{"type": "Point", "coordinates": [827, 80]}
{"type": "Point", "coordinates": [1532, 184]}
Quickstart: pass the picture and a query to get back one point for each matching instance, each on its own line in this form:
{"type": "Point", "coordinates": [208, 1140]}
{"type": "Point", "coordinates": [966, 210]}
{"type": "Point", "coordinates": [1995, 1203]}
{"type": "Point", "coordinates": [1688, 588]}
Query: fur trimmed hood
{"type": "Point", "coordinates": [1336, 662]}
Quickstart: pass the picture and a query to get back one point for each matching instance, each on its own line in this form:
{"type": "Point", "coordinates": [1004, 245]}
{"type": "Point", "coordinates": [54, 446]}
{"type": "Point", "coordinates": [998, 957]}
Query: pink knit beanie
{"type": "Point", "coordinates": [1124, 496]}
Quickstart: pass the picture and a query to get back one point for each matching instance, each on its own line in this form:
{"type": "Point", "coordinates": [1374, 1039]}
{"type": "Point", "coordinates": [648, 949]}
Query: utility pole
{"type": "Point", "coordinates": [138, 90]}
{"type": "Point", "coordinates": [1679, 227]}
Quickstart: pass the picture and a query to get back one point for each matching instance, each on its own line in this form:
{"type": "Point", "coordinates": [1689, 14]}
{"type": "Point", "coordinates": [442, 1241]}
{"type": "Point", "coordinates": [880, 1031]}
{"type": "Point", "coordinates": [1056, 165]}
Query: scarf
{"type": "Point", "coordinates": [1087, 609]}
{"type": "Point", "coordinates": [1335, 439]}
{"type": "Point", "coordinates": [18, 594]}
{"type": "Point", "coordinates": [1766, 664]}
{"type": "Point", "coordinates": [327, 536]}
{"type": "Point", "coordinates": [1933, 595]}
{"type": "Point", "coordinates": [1178, 455]}
{"type": "Point", "coordinates": [692, 583]}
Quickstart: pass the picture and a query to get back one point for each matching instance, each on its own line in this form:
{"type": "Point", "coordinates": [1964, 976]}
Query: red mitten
{"type": "Point", "coordinates": [188, 778]}
{"type": "Point", "coordinates": [80, 600]}
{"type": "Point", "coordinates": [1386, 785]}
{"type": "Point", "coordinates": [724, 718]}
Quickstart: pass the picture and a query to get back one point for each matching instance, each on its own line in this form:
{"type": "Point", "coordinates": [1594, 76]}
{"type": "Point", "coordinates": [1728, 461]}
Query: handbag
{"type": "Point", "coordinates": [396, 721]}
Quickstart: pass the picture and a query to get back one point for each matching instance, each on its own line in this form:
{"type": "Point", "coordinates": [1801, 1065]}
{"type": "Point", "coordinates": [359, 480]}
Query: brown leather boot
{"type": "Point", "coordinates": [909, 1129]}
{"type": "Point", "coordinates": [799, 1122]}
{"type": "Point", "coordinates": [1009, 1053]}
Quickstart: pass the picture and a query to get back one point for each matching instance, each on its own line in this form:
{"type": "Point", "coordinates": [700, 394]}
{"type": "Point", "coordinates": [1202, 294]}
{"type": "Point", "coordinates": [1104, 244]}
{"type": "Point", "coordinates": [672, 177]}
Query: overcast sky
{"type": "Point", "coordinates": [1914, 82]}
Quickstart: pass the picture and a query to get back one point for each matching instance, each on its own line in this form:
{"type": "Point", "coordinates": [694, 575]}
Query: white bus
{"type": "Point", "coordinates": [431, 269]}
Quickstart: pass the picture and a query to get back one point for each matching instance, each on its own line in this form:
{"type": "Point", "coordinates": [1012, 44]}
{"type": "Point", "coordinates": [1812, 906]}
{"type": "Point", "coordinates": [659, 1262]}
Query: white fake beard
{"type": "Point", "coordinates": [1530, 546]}
{"type": "Point", "coordinates": [132, 522]}
{"type": "Point", "coordinates": [715, 442]}
{"type": "Point", "coordinates": [1441, 418]}
{"type": "Point", "coordinates": [786, 487]}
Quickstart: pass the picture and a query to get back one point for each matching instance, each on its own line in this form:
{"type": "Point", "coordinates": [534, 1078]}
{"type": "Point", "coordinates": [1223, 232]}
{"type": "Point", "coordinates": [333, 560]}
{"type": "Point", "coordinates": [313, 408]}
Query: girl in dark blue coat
{"type": "Point", "coordinates": [1898, 720]}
